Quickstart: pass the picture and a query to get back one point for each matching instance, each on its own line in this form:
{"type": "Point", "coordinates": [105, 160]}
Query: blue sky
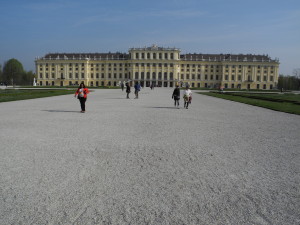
{"type": "Point", "coordinates": [31, 28]}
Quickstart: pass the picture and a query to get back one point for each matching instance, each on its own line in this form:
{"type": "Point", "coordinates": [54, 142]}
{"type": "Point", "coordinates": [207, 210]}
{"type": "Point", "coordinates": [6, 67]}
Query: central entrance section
{"type": "Point", "coordinates": [155, 66]}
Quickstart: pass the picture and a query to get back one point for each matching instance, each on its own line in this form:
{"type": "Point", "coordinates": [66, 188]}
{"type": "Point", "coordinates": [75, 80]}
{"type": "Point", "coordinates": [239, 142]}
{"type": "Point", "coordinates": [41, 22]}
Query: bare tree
{"type": "Point", "coordinates": [296, 73]}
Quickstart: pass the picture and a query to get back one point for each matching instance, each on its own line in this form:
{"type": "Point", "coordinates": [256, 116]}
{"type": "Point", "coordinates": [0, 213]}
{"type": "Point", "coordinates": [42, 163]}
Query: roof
{"type": "Point", "coordinates": [226, 57]}
{"type": "Point", "coordinates": [84, 56]}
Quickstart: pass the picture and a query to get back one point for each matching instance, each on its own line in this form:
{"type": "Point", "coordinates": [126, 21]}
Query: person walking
{"type": "Point", "coordinates": [176, 96]}
{"type": "Point", "coordinates": [137, 88]}
{"type": "Point", "coordinates": [127, 89]}
{"type": "Point", "coordinates": [187, 96]}
{"type": "Point", "coordinates": [81, 94]}
{"type": "Point", "coordinates": [122, 86]}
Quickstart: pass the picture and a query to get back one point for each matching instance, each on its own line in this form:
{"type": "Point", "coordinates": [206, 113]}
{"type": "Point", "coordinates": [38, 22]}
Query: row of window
{"type": "Point", "coordinates": [159, 75]}
{"type": "Point", "coordinates": [154, 55]}
{"type": "Point", "coordinates": [160, 84]}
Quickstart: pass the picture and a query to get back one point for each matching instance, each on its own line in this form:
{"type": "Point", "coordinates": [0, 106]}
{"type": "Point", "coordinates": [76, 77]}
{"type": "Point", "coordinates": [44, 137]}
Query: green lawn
{"type": "Point", "coordinates": [7, 95]}
{"type": "Point", "coordinates": [289, 103]}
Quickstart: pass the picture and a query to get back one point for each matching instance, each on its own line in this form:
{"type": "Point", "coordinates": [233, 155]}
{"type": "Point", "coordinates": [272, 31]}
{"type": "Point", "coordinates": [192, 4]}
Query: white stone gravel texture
{"type": "Point", "coordinates": [143, 161]}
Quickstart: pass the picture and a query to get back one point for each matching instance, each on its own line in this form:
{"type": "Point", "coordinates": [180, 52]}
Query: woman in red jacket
{"type": "Point", "coordinates": [81, 94]}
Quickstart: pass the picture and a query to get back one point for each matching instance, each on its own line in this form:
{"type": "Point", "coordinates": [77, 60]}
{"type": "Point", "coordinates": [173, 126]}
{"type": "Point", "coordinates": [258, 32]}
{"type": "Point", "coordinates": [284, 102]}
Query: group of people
{"type": "Point", "coordinates": [187, 96]}
{"type": "Point", "coordinates": [82, 92]}
{"type": "Point", "coordinates": [137, 89]}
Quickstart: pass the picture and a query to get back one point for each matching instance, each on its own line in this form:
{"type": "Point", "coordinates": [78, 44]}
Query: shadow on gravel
{"type": "Point", "coordinates": [115, 98]}
{"type": "Point", "coordinates": [61, 111]}
{"type": "Point", "coordinates": [158, 107]}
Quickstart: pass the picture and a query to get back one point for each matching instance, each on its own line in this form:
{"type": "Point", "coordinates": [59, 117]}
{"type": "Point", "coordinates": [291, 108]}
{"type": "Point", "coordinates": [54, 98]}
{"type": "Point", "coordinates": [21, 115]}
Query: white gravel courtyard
{"type": "Point", "coordinates": [143, 161]}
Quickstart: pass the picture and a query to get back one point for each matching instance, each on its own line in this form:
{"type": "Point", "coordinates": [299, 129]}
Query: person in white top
{"type": "Point", "coordinates": [187, 96]}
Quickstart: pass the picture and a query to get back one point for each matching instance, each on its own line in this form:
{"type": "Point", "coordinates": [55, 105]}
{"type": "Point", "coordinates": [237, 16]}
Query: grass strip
{"type": "Point", "coordinates": [16, 95]}
{"type": "Point", "coordinates": [287, 106]}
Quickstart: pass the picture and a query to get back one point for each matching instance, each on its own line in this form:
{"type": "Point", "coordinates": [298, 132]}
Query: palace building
{"type": "Point", "coordinates": [163, 67]}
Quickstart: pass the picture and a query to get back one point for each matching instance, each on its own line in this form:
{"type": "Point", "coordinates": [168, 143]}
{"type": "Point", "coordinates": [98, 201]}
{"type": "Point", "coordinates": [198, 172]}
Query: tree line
{"type": "Point", "coordinates": [14, 74]}
{"type": "Point", "coordinates": [290, 82]}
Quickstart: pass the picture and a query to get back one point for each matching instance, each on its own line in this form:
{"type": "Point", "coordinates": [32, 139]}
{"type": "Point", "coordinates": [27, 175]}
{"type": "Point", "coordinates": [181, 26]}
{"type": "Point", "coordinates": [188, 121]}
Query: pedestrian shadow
{"type": "Point", "coordinates": [163, 107]}
{"type": "Point", "coordinates": [61, 111]}
{"type": "Point", "coordinates": [115, 98]}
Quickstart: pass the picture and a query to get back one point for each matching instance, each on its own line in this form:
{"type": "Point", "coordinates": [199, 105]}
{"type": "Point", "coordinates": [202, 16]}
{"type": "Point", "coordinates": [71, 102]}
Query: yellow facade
{"type": "Point", "coordinates": [163, 67]}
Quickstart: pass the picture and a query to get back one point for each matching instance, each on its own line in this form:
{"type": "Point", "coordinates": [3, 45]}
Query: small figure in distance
{"type": "Point", "coordinates": [187, 96]}
{"type": "Point", "coordinates": [176, 96]}
{"type": "Point", "coordinates": [127, 89]}
{"type": "Point", "coordinates": [81, 94]}
{"type": "Point", "coordinates": [122, 86]}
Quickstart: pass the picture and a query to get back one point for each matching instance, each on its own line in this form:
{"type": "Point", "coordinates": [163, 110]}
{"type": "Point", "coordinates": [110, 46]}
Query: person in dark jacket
{"type": "Point", "coordinates": [137, 88]}
{"type": "Point", "coordinates": [127, 89]}
{"type": "Point", "coordinates": [176, 96]}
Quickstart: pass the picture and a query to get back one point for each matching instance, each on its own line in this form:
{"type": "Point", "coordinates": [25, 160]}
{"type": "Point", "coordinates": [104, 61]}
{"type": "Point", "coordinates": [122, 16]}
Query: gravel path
{"type": "Point", "coordinates": [142, 161]}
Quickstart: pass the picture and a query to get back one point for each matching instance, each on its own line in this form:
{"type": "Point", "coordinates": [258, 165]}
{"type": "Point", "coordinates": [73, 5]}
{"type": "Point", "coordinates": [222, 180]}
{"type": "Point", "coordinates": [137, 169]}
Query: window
{"type": "Point", "coordinates": [165, 76]}
{"type": "Point", "coordinates": [232, 77]}
{"type": "Point", "coordinates": [154, 76]}
{"type": "Point", "coordinates": [159, 76]}
{"type": "Point", "coordinates": [226, 77]}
